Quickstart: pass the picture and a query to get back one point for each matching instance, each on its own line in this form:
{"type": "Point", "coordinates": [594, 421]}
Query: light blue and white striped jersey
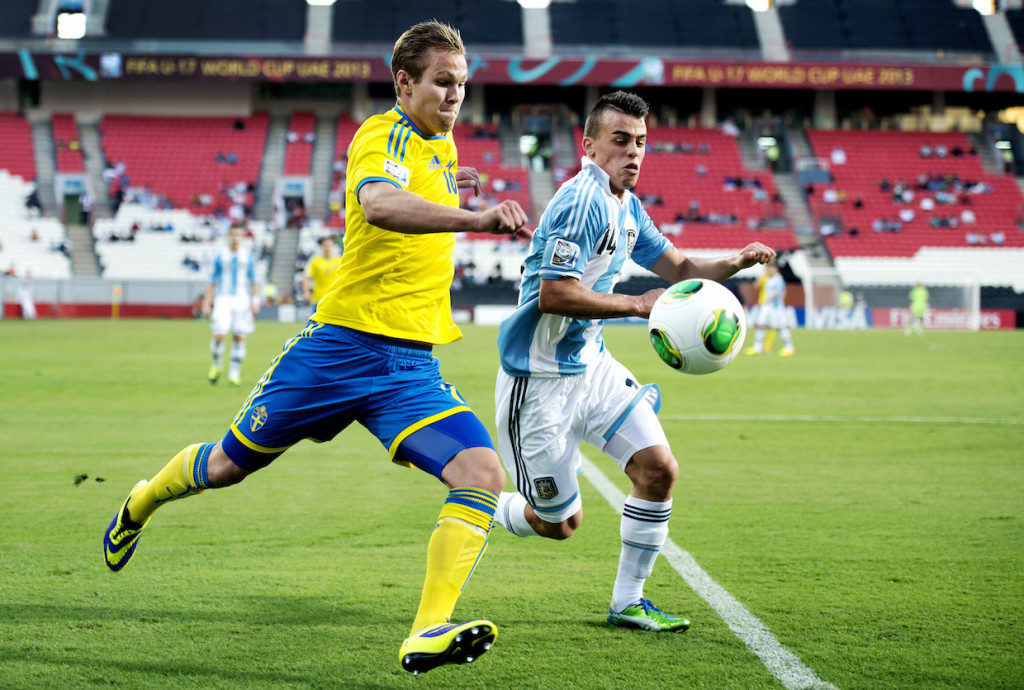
{"type": "Point", "coordinates": [775, 291]}
{"type": "Point", "coordinates": [233, 273]}
{"type": "Point", "coordinates": [586, 233]}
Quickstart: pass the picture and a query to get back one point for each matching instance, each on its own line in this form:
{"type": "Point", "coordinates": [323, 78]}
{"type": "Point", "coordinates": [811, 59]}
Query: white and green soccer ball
{"type": "Point", "coordinates": [697, 326]}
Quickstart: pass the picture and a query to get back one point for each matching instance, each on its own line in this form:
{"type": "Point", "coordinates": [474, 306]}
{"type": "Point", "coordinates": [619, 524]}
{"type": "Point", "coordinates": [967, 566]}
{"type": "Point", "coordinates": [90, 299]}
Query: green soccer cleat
{"type": "Point", "coordinates": [447, 643]}
{"type": "Point", "coordinates": [122, 536]}
{"type": "Point", "coordinates": [213, 374]}
{"type": "Point", "coordinates": [647, 616]}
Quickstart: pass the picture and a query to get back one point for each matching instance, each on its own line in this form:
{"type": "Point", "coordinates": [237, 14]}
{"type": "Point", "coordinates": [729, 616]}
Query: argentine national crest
{"type": "Point", "coordinates": [630, 241]}
{"type": "Point", "coordinates": [546, 487]}
{"type": "Point", "coordinates": [258, 418]}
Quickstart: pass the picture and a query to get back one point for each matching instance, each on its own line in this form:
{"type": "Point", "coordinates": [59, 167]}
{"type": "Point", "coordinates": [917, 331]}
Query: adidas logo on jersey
{"type": "Point", "coordinates": [435, 163]}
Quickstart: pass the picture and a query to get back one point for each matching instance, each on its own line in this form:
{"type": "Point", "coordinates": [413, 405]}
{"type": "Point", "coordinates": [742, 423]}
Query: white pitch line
{"type": "Point", "coordinates": [873, 419]}
{"type": "Point", "coordinates": [781, 662]}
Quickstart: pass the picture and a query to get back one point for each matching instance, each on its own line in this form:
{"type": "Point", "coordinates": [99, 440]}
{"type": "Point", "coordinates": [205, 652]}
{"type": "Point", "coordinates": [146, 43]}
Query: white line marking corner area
{"type": "Point", "coordinates": [781, 662]}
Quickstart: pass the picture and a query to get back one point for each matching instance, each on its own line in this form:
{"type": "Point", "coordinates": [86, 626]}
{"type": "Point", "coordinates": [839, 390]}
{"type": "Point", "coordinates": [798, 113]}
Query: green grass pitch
{"type": "Point", "coordinates": [882, 551]}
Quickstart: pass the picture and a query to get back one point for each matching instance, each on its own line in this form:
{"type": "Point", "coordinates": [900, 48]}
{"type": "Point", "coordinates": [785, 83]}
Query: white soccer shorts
{"type": "Point", "coordinates": [769, 316]}
{"type": "Point", "coordinates": [231, 314]}
{"type": "Point", "coordinates": [542, 421]}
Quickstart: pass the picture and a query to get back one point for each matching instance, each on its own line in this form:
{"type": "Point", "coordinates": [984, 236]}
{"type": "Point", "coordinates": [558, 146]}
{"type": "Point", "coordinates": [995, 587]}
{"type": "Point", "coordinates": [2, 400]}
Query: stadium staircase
{"type": "Point", "coordinates": [323, 159]}
{"type": "Point", "coordinates": [986, 153]}
{"type": "Point", "coordinates": [46, 164]}
{"type": "Point", "coordinates": [272, 165]}
{"type": "Point", "coordinates": [749, 153]}
{"type": "Point", "coordinates": [94, 161]}
{"type": "Point", "coordinates": [542, 188]}
{"type": "Point", "coordinates": [282, 264]}
{"type": "Point", "coordinates": [84, 262]}
{"type": "Point", "coordinates": [796, 208]}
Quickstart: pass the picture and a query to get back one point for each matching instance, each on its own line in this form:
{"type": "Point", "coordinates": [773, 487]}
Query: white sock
{"type": "Point", "coordinates": [759, 335]}
{"type": "Point", "coordinates": [217, 352]}
{"type": "Point", "coordinates": [644, 528]}
{"type": "Point", "coordinates": [511, 514]}
{"type": "Point", "coordinates": [787, 339]}
{"type": "Point", "coordinates": [237, 357]}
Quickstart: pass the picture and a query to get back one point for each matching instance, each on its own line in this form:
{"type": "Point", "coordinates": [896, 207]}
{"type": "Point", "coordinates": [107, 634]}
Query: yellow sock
{"type": "Point", "coordinates": [769, 341]}
{"type": "Point", "coordinates": [183, 476]}
{"type": "Point", "coordinates": [458, 542]}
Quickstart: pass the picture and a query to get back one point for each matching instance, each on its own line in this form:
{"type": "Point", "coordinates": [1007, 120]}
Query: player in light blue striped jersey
{"type": "Point", "coordinates": [558, 386]}
{"type": "Point", "coordinates": [231, 301]}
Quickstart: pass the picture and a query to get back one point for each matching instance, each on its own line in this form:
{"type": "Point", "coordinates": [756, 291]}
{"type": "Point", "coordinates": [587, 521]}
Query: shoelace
{"type": "Point", "coordinates": [648, 607]}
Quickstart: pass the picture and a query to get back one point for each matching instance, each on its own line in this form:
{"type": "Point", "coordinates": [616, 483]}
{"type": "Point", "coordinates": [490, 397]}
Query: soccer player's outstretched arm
{"type": "Point", "coordinates": [674, 266]}
{"type": "Point", "coordinates": [391, 208]}
{"type": "Point", "coordinates": [569, 297]}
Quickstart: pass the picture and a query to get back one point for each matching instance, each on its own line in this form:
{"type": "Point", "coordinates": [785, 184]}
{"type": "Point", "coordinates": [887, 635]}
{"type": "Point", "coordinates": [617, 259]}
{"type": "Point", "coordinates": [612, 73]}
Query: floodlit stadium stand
{"type": "Point", "coordinates": [884, 24]}
{"type": "Point", "coordinates": [479, 21]}
{"type": "Point", "coordinates": [228, 20]}
{"type": "Point", "coordinates": [654, 22]}
{"type": "Point", "coordinates": [184, 158]}
{"type": "Point", "coordinates": [16, 155]}
{"type": "Point", "coordinates": [896, 157]}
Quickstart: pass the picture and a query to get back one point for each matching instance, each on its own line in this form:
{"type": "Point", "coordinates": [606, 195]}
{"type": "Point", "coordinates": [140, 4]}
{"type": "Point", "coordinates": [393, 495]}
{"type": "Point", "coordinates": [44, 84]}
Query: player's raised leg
{"type": "Point", "coordinates": [194, 469]}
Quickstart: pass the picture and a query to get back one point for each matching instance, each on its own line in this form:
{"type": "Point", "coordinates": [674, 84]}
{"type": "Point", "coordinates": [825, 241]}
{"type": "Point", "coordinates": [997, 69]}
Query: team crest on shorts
{"type": "Point", "coordinates": [258, 418]}
{"type": "Point", "coordinates": [546, 487]}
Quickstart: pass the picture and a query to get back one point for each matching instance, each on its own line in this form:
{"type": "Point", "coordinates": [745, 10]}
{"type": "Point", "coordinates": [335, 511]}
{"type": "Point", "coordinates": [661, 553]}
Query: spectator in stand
{"type": "Point", "coordinates": [941, 151]}
{"type": "Point", "coordinates": [858, 203]}
{"type": "Point", "coordinates": [974, 238]}
{"type": "Point", "coordinates": [838, 156]}
{"type": "Point", "coordinates": [701, 170]}
{"type": "Point", "coordinates": [32, 204]}
{"type": "Point", "coordinates": [967, 217]}
{"type": "Point", "coordinates": [926, 151]}
{"type": "Point", "coordinates": [998, 237]}
{"type": "Point", "coordinates": [730, 129]}
{"type": "Point", "coordinates": [830, 196]}
{"type": "Point", "coordinates": [906, 215]}
{"type": "Point", "coordinates": [927, 204]}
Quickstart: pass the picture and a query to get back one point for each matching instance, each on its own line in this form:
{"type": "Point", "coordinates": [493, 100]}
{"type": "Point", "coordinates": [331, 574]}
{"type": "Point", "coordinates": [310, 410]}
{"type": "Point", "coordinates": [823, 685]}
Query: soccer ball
{"type": "Point", "coordinates": [697, 326]}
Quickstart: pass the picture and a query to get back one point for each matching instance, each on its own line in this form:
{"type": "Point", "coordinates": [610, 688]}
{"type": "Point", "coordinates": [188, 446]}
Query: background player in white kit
{"type": "Point", "coordinates": [771, 313]}
{"type": "Point", "coordinates": [231, 301]}
{"type": "Point", "coordinates": [558, 386]}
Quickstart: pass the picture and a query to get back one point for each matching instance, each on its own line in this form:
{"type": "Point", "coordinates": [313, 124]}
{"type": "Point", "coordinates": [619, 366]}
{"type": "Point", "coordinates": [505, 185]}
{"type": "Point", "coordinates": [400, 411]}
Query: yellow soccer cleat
{"type": "Point", "coordinates": [787, 352]}
{"type": "Point", "coordinates": [751, 351]}
{"type": "Point", "coordinates": [213, 374]}
{"type": "Point", "coordinates": [122, 535]}
{"type": "Point", "coordinates": [446, 643]}
{"type": "Point", "coordinates": [235, 381]}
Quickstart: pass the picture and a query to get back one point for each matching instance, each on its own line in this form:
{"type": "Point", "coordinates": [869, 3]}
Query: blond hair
{"type": "Point", "coordinates": [412, 45]}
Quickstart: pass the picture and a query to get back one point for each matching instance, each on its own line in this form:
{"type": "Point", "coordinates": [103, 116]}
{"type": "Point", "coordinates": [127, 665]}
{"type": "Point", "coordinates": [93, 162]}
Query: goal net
{"type": "Point", "coordinates": [853, 298]}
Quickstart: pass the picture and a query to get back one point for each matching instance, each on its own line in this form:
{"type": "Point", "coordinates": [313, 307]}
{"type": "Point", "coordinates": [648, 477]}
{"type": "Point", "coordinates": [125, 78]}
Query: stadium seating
{"type": "Point", "coordinates": [16, 153]}
{"type": "Point", "coordinates": [155, 244]}
{"type": "Point", "coordinates": [654, 22]}
{"type": "Point", "coordinates": [28, 245]}
{"type": "Point", "coordinates": [684, 166]}
{"type": "Point", "coordinates": [896, 157]}
{"type": "Point", "coordinates": [202, 20]}
{"type": "Point", "coordinates": [936, 266]}
{"type": "Point", "coordinates": [884, 24]}
{"type": "Point", "coordinates": [480, 148]}
{"type": "Point", "coordinates": [66, 144]}
{"type": "Point", "coordinates": [184, 158]}
{"type": "Point", "coordinates": [343, 138]}
{"type": "Point", "coordinates": [479, 21]}
{"type": "Point", "coordinates": [298, 153]}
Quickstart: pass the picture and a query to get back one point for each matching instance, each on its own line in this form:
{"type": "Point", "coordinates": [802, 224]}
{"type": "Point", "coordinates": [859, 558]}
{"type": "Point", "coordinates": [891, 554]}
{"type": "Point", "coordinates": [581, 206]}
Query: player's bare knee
{"type": "Point", "coordinates": [221, 471]}
{"type": "Point", "coordinates": [557, 530]}
{"type": "Point", "coordinates": [653, 470]}
{"type": "Point", "coordinates": [477, 467]}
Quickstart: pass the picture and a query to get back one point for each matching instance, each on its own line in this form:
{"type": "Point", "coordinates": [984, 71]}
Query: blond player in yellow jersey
{"type": "Point", "coordinates": [366, 355]}
{"type": "Point", "coordinates": [320, 271]}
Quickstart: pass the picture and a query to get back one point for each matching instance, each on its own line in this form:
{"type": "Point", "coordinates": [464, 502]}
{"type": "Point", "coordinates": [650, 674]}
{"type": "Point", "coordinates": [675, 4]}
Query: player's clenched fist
{"type": "Point", "coordinates": [754, 253]}
{"type": "Point", "coordinates": [507, 218]}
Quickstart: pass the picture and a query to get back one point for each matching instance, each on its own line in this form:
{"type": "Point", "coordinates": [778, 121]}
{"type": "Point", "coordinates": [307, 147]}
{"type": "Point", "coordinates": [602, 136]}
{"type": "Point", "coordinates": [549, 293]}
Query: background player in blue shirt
{"type": "Point", "coordinates": [558, 386]}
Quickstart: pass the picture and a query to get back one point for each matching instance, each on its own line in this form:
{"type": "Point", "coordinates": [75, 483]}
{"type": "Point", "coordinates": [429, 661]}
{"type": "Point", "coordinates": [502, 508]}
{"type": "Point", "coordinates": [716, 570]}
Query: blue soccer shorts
{"type": "Point", "coordinates": [327, 377]}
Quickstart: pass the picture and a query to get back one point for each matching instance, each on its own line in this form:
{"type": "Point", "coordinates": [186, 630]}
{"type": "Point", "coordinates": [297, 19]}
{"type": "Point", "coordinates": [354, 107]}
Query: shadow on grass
{"type": "Point", "coordinates": [251, 609]}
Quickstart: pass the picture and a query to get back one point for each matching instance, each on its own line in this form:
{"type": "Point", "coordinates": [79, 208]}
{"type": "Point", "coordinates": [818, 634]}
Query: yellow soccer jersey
{"type": "Point", "coordinates": [321, 271]}
{"type": "Point", "coordinates": [392, 283]}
